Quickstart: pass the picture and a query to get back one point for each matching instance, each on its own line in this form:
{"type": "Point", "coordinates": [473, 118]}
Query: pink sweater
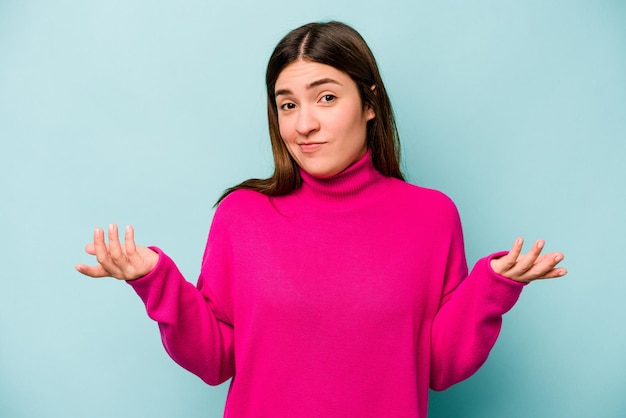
{"type": "Point", "coordinates": [346, 298]}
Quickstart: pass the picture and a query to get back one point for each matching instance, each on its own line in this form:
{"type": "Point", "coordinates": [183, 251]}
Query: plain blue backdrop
{"type": "Point", "coordinates": [143, 112]}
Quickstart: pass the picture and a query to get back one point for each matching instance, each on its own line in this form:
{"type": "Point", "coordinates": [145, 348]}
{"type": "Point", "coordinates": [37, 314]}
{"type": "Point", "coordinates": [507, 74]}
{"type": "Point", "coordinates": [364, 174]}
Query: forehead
{"type": "Point", "coordinates": [302, 73]}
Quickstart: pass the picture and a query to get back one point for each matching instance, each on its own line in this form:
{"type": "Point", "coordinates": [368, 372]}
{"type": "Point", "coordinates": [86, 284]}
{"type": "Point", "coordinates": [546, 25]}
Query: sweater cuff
{"type": "Point", "coordinates": [501, 292]}
{"type": "Point", "coordinates": [498, 276]}
{"type": "Point", "coordinates": [143, 280]}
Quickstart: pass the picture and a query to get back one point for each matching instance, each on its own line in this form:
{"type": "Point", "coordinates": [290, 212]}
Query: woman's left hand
{"type": "Point", "coordinates": [528, 267]}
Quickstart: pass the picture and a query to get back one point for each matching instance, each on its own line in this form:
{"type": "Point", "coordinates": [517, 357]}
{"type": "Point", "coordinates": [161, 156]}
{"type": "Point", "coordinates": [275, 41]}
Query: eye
{"type": "Point", "coordinates": [287, 106]}
{"type": "Point", "coordinates": [328, 98]}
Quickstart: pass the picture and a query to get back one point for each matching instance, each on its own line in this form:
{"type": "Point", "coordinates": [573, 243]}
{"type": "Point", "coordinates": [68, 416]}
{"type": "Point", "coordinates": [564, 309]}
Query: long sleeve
{"type": "Point", "coordinates": [195, 331]}
{"type": "Point", "coordinates": [348, 297]}
{"type": "Point", "coordinates": [469, 319]}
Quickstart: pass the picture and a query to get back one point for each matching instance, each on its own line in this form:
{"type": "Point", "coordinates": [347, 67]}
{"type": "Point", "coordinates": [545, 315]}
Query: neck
{"type": "Point", "coordinates": [353, 185]}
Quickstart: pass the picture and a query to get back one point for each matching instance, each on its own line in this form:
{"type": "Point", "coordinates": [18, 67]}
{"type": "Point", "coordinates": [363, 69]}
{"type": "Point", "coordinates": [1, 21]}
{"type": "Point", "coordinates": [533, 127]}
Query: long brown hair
{"type": "Point", "coordinates": [340, 46]}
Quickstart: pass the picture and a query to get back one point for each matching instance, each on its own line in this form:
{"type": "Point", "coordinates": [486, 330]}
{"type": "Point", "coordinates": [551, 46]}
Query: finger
{"type": "Point", "coordinates": [91, 249]}
{"type": "Point", "coordinates": [503, 264]}
{"type": "Point", "coordinates": [553, 274]}
{"type": "Point", "coordinates": [131, 249]}
{"type": "Point", "coordinates": [100, 250]}
{"type": "Point", "coordinates": [516, 250]}
{"type": "Point", "coordinates": [545, 268]}
{"type": "Point", "coordinates": [92, 271]}
{"type": "Point", "coordinates": [527, 261]}
{"type": "Point", "coordinates": [129, 241]}
{"type": "Point", "coordinates": [115, 248]}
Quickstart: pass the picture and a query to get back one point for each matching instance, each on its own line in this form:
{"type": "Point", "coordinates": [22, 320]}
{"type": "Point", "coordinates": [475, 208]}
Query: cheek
{"type": "Point", "coordinates": [283, 129]}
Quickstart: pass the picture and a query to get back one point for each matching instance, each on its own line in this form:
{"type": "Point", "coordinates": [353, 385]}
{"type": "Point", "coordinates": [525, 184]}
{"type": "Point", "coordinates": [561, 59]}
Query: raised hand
{"type": "Point", "coordinates": [121, 261]}
{"type": "Point", "coordinates": [530, 266]}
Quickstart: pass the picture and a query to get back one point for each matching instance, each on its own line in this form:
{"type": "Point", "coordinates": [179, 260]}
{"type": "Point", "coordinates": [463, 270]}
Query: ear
{"type": "Point", "coordinates": [369, 111]}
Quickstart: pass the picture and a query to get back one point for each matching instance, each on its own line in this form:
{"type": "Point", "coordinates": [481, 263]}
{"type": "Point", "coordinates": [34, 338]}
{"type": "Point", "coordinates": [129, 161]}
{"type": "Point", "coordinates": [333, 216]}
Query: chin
{"type": "Point", "coordinates": [321, 172]}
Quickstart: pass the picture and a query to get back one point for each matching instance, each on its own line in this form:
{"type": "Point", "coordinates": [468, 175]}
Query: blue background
{"type": "Point", "coordinates": [142, 112]}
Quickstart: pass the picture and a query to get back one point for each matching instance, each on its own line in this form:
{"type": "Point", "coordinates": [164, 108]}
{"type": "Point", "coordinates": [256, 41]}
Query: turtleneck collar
{"type": "Point", "coordinates": [356, 184]}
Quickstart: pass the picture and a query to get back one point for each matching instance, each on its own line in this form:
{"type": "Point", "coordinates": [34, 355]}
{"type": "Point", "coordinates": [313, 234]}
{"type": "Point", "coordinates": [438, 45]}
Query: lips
{"type": "Point", "coordinates": [309, 147]}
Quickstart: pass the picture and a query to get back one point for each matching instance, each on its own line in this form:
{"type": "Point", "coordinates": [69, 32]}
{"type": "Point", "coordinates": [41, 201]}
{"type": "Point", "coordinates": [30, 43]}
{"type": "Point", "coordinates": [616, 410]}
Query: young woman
{"type": "Point", "coordinates": [332, 288]}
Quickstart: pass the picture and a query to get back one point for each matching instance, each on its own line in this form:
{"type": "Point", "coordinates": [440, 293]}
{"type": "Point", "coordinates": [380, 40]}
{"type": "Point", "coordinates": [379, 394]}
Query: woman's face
{"type": "Point", "coordinates": [321, 117]}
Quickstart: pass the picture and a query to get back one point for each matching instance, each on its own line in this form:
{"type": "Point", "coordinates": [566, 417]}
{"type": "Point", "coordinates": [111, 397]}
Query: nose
{"type": "Point", "coordinates": [307, 122]}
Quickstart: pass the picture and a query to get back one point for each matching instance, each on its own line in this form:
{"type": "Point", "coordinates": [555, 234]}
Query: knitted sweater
{"type": "Point", "coordinates": [348, 297]}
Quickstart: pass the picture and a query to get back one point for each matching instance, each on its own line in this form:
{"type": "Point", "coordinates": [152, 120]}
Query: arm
{"type": "Point", "coordinates": [194, 331]}
{"type": "Point", "coordinates": [470, 315]}
{"type": "Point", "coordinates": [468, 323]}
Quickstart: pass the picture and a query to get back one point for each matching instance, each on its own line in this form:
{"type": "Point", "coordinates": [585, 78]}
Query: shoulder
{"type": "Point", "coordinates": [430, 212]}
{"type": "Point", "coordinates": [242, 197]}
{"type": "Point", "coordinates": [239, 203]}
{"type": "Point", "coordinates": [420, 197]}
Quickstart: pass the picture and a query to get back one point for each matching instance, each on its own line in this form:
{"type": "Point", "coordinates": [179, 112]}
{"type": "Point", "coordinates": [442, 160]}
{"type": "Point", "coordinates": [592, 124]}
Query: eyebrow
{"type": "Point", "coordinates": [315, 83]}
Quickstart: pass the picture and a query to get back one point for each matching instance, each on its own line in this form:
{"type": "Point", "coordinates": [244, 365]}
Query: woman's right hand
{"type": "Point", "coordinates": [121, 261]}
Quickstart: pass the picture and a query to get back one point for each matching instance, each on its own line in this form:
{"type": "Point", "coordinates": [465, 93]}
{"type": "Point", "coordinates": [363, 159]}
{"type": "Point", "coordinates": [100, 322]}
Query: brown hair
{"type": "Point", "coordinates": [340, 46]}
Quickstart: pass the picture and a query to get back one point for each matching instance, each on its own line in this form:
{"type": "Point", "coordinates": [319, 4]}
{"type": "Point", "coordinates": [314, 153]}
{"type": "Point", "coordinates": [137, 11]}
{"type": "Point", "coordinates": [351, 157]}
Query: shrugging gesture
{"type": "Point", "coordinates": [123, 261]}
{"type": "Point", "coordinates": [350, 271]}
{"type": "Point", "coordinates": [530, 266]}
